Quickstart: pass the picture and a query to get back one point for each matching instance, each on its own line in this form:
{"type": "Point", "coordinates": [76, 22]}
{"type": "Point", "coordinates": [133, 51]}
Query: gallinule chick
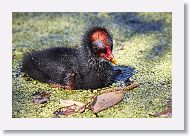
{"type": "Point", "coordinates": [86, 67]}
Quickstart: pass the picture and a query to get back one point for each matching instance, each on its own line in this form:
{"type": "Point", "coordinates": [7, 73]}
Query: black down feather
{"type": "Point", "coordinates": [55, 65]}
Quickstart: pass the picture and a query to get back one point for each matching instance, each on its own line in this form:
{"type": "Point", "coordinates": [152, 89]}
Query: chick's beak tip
{"type": "Point", "coordinates": [113, 60]}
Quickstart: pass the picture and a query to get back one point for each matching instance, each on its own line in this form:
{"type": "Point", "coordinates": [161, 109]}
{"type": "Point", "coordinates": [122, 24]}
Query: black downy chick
{"type": "Point", "coordinates": [86, 67]}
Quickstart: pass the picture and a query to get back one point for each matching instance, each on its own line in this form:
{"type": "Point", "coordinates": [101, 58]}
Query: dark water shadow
{"type": "Point", "coordinates": [136, 23]}
{"type": "Point", "coordinates": [159, 50]}
{"type": "Point", "coordinates": [126, 73]}
{"type": "Point", "coordinates": [132, 24]}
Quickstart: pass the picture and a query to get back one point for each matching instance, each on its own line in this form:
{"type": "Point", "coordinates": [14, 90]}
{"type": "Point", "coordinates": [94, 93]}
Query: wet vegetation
{"type": "Point", "coordinates": [142, 47]}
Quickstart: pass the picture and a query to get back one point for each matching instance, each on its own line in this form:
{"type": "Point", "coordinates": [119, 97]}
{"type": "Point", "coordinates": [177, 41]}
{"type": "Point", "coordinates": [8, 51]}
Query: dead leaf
{"type": "Point", "coordinates": [40, 100]}
{"type": "Point", "coordinates": [106, 100]}
{"type": "Point", "coordinates": [165, 113]}
{"type": "Point", "coordinates": [70, 107]}
{"type": "Point", "coordinates": [41, 97]}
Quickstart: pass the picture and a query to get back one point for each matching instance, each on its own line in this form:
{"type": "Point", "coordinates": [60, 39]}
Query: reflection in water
{"type": "Point", "coordinates": [126, 73]}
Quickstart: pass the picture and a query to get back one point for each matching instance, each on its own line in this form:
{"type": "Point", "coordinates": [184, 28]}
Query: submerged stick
{"type": "Point", "coordinates": [131, 86]}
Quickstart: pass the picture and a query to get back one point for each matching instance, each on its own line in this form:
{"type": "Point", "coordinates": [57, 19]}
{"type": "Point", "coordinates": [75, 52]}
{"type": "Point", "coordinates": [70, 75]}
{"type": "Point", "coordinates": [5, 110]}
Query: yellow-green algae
{"type": "Point", "coordinates": [141, 40]}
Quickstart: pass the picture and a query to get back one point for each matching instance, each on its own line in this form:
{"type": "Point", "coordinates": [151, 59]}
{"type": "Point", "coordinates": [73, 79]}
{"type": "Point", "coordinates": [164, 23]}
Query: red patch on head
{"type": "Point", "coordinates": [100, 35]}
{"type": "Point", "coordinates": [104, 38]}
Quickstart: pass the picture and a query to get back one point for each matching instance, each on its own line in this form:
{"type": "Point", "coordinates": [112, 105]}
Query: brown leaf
{"type": "Point", "coordinates": [70, 107]}
{"type": "Point", "coordinates": [165, 113]}
{"type": "Point", "coordinates": [106, 100]}
{"type": "Point", "coordinates": [41, 97]}
{"type": "Point", "coordinates": [40, 100]}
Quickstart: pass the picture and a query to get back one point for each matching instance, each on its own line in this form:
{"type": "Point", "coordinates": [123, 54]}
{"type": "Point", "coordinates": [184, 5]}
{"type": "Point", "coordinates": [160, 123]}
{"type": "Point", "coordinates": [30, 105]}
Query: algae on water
{"type": "Point", "coordinates": [142, 43]}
